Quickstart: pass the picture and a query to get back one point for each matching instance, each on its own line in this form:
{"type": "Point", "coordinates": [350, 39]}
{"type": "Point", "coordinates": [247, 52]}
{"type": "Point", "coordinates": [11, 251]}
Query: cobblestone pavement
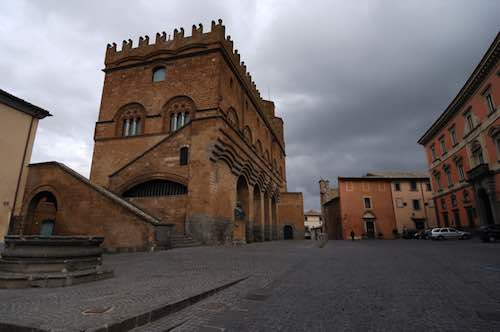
{"type": "Point", "coordinates": [291, 286]}
{"type": "Point", "coordinates": [403, 285]}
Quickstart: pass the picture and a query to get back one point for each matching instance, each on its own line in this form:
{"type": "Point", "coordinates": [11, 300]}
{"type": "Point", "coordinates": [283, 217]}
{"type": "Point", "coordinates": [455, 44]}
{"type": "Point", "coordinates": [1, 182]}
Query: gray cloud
{"type": "Point", "coordinates": [356, 83]}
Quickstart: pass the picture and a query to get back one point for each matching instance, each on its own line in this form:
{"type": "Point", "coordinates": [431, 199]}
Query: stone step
{"type": "Point", "coordinates": [183, 241]}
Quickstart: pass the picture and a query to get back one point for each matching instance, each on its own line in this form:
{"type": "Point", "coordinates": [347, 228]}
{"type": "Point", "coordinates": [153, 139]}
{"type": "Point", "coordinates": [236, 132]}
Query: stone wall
{"type": "Point", "coordinates": [84, 209]}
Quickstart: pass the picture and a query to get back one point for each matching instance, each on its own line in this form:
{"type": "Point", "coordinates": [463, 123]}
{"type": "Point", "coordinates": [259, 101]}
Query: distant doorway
{"type": "Point", "coordinates": [370, 228]}
{"type": "Point", "coordinates": [288, 232]}
{"type": "Point", "coordinates": [486, 207]}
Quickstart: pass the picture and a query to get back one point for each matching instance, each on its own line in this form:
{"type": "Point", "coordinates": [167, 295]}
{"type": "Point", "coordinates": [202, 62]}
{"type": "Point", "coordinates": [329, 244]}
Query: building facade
{"type": "Point", "coordinates": [313, 223]}
{"type": "Point", "coordinates": [377, 205]}
{"type": "Point", "coordinates": [463, 150]}
{"type": "Point", "coordinates": [412, 200]}
{"type": "Point", "coordinates": [184, 136]}
{"type": "Point", "coordinates": [18, 124]}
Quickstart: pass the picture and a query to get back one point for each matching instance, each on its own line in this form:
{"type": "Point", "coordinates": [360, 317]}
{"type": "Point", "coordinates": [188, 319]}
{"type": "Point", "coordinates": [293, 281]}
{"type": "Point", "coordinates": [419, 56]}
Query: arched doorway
{"type": "Point", "coordinates": [41, 215]}
{"type": "Point", "coordinates": [267, 222]}
{"type": "Point", "coordinates": [241, 210]}
{"type": "Point", "coordinates": [485, 206]}
{"type": "Point", "coordinates": [274, 217]}
{"type": "Point", "coordinates": [288, 232]}
{"type": "Point", "coordinates": [258, 226]}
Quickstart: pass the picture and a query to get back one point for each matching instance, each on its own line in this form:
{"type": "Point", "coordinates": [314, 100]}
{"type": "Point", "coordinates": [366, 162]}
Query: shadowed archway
{"type": "Point", "coordinates": [258, 225]}
{"type": "Point", "coordinates": [41, 216]}
{"type": "Point", "coordinates": [242, 210]}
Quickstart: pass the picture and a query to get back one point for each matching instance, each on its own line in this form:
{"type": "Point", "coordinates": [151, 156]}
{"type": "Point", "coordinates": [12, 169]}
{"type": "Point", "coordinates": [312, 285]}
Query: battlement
{"type": "Point", "coordinates": [180, 43]}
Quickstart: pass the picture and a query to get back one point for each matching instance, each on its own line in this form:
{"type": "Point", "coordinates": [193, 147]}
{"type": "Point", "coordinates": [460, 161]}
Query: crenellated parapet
{"type": "Point", "coordinates": [179, 43]}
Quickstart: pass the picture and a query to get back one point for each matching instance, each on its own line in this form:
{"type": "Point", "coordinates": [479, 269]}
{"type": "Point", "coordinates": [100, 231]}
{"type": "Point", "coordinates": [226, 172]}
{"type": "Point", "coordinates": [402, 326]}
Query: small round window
{"type": "Point", "coordinates": [159, 74]}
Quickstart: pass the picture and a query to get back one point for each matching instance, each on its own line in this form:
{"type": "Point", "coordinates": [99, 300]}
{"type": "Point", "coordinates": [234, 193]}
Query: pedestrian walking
{"type": "Point", "coordinates": [352, 235]}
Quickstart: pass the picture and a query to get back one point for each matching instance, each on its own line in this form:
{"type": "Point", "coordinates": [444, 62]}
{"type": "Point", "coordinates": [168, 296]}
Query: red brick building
{"type": "Point", "coordinates": [463, 149]}
{"type": "Point", "coordinates": [183, 139]}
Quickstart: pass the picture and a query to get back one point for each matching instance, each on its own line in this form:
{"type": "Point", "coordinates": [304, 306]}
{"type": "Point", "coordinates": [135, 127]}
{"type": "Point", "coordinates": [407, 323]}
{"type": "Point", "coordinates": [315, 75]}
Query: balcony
{"type": "Point", "coordinates": [478, 172]}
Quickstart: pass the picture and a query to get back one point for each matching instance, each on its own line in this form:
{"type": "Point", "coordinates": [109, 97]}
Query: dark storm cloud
{"type": "Point", "coordinates": [356, 83]}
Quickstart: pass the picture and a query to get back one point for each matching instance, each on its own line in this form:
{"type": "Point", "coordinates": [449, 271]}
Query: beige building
{"type": "Point", "coordinates": [313, 224]}
{"type": "Point", "coordinates": [18, 123]}
{"type": "Point", "coordinates": [412, 199]}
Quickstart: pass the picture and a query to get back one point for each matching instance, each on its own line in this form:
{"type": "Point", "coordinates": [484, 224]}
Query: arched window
{"type": "Point", "coordinates": [183, 158]}
{"type": "Point", "coordinates": [156, 188]}
{"type": "Point", "coordinates": [179, 112]}
{"type": "Point", "coordinates": [159, 74]}
{"type": "Point", "coordinates": [247, 134]}
{"type": "Point", "coordinates": [130, 120]}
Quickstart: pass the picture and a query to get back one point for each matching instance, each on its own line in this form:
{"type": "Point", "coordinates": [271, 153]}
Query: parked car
{"type": "Point", "coordinates": [449, 233]}
{"type": "Point", "coordinates": [423, 234]}
{"type": "Point", "coordinates": [490, 233]}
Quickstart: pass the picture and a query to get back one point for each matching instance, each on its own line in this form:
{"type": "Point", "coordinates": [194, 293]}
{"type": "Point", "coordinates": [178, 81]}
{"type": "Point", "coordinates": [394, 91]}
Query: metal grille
{"type": "Point", "coordinates": [156, 188]}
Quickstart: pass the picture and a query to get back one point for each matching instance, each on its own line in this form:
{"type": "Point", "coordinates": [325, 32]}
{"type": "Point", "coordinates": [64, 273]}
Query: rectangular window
{"type": "Point", "coordinates": [453, 134]}
{"type": "Point", "coordinates": [413, 185]}
{"type": "Point", "coordinates": [399, 203]}
{"type": "Point", "coordinates": [443, 145]}
{"type": "Point", "coordinates": [470, 121]}
{"type": "Point", "coordinates": [433, 152]}
{"type": "Point", "coordinates": [397, 186]}
{"type": "Point", "coordinates": [447, 170]}
{"type": "Point", "coordinates": [183, 158]}
{"type": "Point", "coordinates": [368, 203]}
{"type": "Point", "coordinates": [489, 102]}
{"type": "Point", "coordinates": [428, 185]}
{"type": "Point", "coordinates": [438, 180]}
{"type": "Point", "coordinates": [461, 173]}
{"type": "Point", "coordinates": [416, 204]}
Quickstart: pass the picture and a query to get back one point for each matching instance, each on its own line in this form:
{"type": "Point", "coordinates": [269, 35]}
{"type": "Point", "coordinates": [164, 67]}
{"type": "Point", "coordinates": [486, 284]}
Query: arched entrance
{"type": "Point", "coordinates": [241, 210]}
{"type": "Point", "coordinates": [258, 226]}
{"type": "Point", "coordinates": [41, 215]}
{"type": "Point", "coordinates": [485, 206]}
{"type": "Point", "coordinates": [288, 232]}
{"type": "Point", "coordinates": [274, 216]}
{"type": "Point", "coordinates": [267, 222]}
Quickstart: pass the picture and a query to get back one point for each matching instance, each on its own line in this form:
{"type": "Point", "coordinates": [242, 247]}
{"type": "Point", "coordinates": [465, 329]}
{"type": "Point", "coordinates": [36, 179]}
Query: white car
{"type": "Point", "coordinates": [448, 233]}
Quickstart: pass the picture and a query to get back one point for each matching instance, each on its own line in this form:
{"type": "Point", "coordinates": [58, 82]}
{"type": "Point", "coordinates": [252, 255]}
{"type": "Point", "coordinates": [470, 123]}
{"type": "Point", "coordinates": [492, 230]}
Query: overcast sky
{"type": "Point", "coordinates": [356, 82]}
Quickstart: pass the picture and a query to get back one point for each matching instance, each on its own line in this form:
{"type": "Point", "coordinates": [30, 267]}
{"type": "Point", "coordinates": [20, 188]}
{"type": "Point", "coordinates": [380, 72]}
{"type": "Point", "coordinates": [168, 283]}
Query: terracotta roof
{"type": "Point", "coordinates": [397, 174]}
{"type": "Point", "coordinates": [312, 212]}
{"type": "Point", "coordinates": [22, 105]}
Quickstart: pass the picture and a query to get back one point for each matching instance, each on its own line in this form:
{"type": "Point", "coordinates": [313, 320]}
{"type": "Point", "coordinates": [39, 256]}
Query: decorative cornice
{"type": "Point", "coordinates": [485, 66]}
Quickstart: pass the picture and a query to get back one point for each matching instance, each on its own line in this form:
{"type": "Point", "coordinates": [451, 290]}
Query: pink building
{"type": "Point", "coordinates": [463, 149]}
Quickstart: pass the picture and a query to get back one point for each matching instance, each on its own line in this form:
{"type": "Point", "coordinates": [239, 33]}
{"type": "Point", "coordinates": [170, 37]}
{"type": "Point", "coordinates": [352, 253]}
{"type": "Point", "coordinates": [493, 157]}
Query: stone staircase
{"type": "Point", "coordinates": [184, 241]}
